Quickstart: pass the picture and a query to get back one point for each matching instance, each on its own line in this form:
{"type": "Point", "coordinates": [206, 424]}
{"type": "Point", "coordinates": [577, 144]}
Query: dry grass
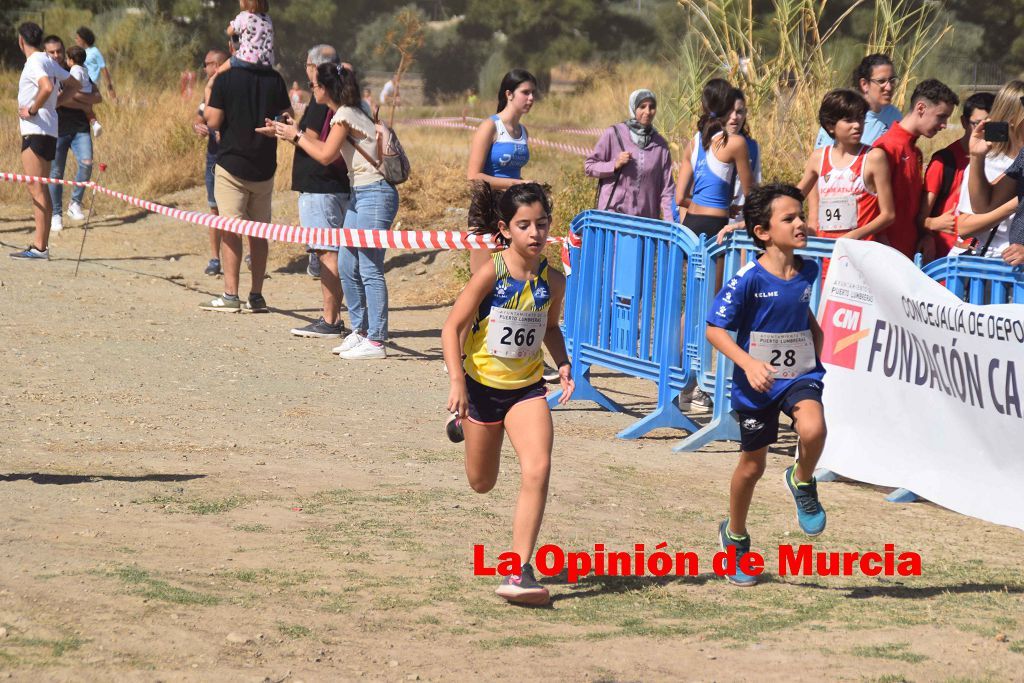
{"type": "Point", "coordinates": [151, 151]}
{"type": "Point", "coordinates": [148, 144]}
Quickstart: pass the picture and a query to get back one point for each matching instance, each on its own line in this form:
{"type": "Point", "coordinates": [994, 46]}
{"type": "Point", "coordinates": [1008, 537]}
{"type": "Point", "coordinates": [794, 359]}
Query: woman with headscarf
{"type": "Point", "coordinates": [633, 164]}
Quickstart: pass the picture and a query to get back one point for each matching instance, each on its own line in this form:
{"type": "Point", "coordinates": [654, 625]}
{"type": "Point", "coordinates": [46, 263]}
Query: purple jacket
{"type": "Point", "coordinates": [645, 184]}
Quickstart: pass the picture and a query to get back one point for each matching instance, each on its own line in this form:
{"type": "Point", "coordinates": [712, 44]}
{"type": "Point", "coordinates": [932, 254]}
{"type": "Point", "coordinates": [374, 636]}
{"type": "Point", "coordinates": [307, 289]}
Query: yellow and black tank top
{"type": "Point", "coordinates": [503, 349]}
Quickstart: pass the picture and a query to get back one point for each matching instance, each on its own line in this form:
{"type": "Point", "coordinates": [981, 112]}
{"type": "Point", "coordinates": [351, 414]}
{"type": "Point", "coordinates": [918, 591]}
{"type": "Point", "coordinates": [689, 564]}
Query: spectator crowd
{"type": "Point", "coordinates": [866, 178]}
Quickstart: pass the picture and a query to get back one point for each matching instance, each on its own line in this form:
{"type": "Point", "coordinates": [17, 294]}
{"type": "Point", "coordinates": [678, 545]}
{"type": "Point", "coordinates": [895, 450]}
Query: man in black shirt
{"type": "Point", "coordinates": [241, 102]}
{"type": "Point", "coordinates": [323, 199]}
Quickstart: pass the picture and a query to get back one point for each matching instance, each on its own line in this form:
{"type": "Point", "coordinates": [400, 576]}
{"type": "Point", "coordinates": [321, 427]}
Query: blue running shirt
{"type": "Point", "coordinates": [508, 155]}
{"type": "Point", "coordinates": [772, 315]}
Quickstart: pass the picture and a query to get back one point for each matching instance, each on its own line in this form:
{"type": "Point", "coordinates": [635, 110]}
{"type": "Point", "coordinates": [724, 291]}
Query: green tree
{"type": "Point", "coordinates": [1002, 26]}
{"type": "Point", "coordinates": [540, 34]}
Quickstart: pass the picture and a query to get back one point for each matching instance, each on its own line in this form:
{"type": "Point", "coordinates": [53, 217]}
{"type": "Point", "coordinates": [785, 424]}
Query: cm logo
{"type": "Point", "coordinates": [841, 327]}
{"type": "Point", "coordinates": [847, 318]}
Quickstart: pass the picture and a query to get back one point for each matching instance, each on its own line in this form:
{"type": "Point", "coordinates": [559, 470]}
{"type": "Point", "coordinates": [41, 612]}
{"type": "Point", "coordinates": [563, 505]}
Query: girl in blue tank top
{"type": "Point", "coordinates": [500, 146]}
{"type": "Point", "coordinates": [713, 160]}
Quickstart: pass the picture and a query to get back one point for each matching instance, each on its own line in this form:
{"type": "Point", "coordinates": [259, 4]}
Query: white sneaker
{"type": "Point", "coordinates": [56, 224]}
{"type": "Point", "coordinates": [97, 129]}
{"type": "Point", "coordinates": [351, 341]}
{"type": "Point", "coordinates": [365, 350]}
{"type": "Point", "coordinates": [75, 212]}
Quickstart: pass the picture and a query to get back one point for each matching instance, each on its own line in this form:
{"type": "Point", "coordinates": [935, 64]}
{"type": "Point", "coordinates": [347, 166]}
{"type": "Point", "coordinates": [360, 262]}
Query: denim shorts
{"type": "Point", "coordinates": [211, 163]}
{"type": "Point", "coordinates": [322, 211]}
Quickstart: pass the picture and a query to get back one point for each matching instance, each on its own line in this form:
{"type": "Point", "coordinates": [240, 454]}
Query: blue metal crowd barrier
{"type": "Point", "coordinates": [626, 310]}
{"type": "Point", "coordinates": [979, 280]}
{"type": "Point", "coordinates": [713, 370]}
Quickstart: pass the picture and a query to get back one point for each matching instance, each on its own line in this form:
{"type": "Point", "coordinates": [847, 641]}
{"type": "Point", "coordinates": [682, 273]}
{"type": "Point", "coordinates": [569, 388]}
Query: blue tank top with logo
{"type": "Point", "coordinates": [712, 179]}
{"type": "Point", "coordinates": [508, 154]}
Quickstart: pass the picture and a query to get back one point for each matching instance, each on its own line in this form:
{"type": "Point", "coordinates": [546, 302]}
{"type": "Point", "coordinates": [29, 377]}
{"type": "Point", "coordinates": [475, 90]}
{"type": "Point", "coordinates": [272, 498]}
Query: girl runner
{"type": "Point", "coordinates": [736, 124]}
{"type": "Point", "coordinates": [510, 306]}
{"type": "Point", "coordinates": [500, 146]}
{"type": "Point", "coordinates": [712, 162]}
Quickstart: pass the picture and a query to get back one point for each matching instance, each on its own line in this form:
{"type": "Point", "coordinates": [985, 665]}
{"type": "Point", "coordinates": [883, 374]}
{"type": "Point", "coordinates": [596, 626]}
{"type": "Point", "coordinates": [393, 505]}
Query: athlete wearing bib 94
{"type": "Point", "coordinates": [770, 318]}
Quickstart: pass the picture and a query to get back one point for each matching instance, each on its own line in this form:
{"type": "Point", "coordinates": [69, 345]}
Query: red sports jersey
{"type": "Point", "coordinates": [905, 161]}
{"type": "Point", "coordinates": [844, 203]}
{"type": "Point", "coordinates": [945, 241]}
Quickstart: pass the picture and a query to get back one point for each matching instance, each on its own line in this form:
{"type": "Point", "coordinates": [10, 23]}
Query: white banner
{"type": "Point", "coordinates": [922, 390]}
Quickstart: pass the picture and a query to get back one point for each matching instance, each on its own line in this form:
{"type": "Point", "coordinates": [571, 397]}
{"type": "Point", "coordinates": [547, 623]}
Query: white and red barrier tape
{"type": "Point", "coordinates": [459, 124]}
{"type": "Point", "coordinates": [590, 132]}
{"type": "Point", "coordinates": [335, 237]}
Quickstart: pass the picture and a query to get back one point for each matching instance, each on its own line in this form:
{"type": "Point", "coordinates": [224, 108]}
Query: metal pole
{"type": "Point", "coordinates": [92, 203]}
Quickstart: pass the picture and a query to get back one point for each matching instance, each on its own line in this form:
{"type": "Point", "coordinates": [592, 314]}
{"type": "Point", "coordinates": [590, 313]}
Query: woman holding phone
{"type": "Point", "coordinates": [995, 177]}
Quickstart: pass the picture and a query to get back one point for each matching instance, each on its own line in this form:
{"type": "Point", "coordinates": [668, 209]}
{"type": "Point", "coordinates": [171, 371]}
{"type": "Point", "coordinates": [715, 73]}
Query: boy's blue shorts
{"type": "Point", "coordinates": [760, 428]}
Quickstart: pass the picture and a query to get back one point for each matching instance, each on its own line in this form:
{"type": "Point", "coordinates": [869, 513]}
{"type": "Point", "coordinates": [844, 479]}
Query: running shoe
{"type": "Point", "coordinates": [739, 578]}
{"type": "Point", "coordinates": [523, 589]}
{"type": "Point", "coordinates": [75, 212]}
{"type": "Point", "coordinates": [550, 376]}
{"type": "Point", "coordinates": [255, 304]}
{"type": "Point", "coordinates": [313, 269]}
{"type": "Point", "coordinates": [97, 129]}
{"type": "Point", "coordinates": [809, 513]}
{"type": "Point", "coordinates": [32, 254]}
{"type": "Point", "coordinates": [321, 329]}
{"type": "Point", "coordinates": [351, 341]}
{"type": "Point", "coordinates": [213, 267]}
{"type": "Point", "coordinates": [248, 261]}
{"type": "Point", "coordinates": [365, 350]}
{"type": "Point", "coordinates": [454, 429]}
{"type": "Point", "coordinates": [56, 223]}
{"type": "Point", "coordinates": [223, 303]}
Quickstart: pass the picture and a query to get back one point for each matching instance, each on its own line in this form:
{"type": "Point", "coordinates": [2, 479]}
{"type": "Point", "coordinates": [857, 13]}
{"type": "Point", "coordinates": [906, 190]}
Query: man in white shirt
{"type": "Point", "coordinates": [37, 109]}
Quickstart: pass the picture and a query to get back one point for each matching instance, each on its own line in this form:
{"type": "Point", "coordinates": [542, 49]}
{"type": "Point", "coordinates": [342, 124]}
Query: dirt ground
{"type": "Point", "coordinates": [193, 496]}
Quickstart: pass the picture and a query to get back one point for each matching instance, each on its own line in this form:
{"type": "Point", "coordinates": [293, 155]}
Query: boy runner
{"type": "Point", "coordinates": [776, 352]}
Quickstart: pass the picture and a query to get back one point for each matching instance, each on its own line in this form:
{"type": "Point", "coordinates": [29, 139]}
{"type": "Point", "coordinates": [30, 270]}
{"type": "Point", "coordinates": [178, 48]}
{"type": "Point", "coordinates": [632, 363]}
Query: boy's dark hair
{"type": "Point", "coordinates": [32, 34]}
{"type": "Point", "coordinates": [76, 55]}
{"type": "Point", "coordinates": [935, 92]}
{"type": "Point", "coordinates": [867, 66]}
{"type": "Point", "coordinates": [86, 34]}
{"type": "Point", "coordinates": [838, 105]}
{"type": "Point", "coordinates": [757, 210]}
{"type": "Point", "coordinates": [979, 100]}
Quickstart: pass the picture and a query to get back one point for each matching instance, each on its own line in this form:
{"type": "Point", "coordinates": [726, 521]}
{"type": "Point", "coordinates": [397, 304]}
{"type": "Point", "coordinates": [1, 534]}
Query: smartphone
{"type": "Point", "coordinates": [997, 131]}
{"type": "Point", "coordinates": [282, 117]}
